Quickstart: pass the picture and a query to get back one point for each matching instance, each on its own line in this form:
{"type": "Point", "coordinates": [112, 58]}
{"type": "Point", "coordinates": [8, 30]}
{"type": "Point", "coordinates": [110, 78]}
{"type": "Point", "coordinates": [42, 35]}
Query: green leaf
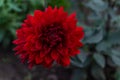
{"type": "Point", "coordinates": [99, 59]}
{"type": "Point", "coordinates": [6, 42]}
{"type": "Point", "coordinates": [2, 33]}
{"type": "Point", "coordinates": [42, 2]}
{"type": "Point", "coordinates": [98, 73]}
{"type": "Point", "coordinates": [79, 74]}
{"type": "Point", "coordinates": [110, 62]}
{"type": "Point", "coordinates": [33, 2]}
{"type": "Point", "coordinates": [1, 3]}
{"type": "Point", "coordinates": [95, 38]}
{"type": "Point", "coordinates": [14, 7]}
{"type": "Point", "coordinates": [116, 59]}
{"type": "Point", "coordinates": [97, 5]}
{"type": "Point", "coordinates": [93, 17]}
{"type": "Point", "coordinates": [37, 3]}
{"type": "Point", "coordinates": [115, 20]}
{"type": "Point", "coordinates": [103, 46]}
{"type": "Point", "coordinates": [117, 74]}
{"type": "Point", "coordinates": [116, 52]}
{"type": "Point", "coordinates": [114, 37]}
{"type": "Point", "coordinates": [77, 63]}
{"type": "Point", "coordinates": [82, 56]}
{"type": "Point", "coordinates": [13, 32]}
{"type": "Point", "coordinates": [88, 32]}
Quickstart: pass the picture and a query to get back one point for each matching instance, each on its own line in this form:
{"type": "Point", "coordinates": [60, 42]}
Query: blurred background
{"type": "Point", "coordinates": [100, 55]}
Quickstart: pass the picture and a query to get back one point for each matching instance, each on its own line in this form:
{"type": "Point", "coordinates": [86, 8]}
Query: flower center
{"type": "Point", "coordinates": [52, 35]}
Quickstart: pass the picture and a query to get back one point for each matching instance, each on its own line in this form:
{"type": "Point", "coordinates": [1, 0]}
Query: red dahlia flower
{"type": "Point", "coordinates": [49, 36]}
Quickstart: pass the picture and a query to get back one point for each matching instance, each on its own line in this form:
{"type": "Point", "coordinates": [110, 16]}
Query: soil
{"type": "Point", "coordinates": [12, 69]}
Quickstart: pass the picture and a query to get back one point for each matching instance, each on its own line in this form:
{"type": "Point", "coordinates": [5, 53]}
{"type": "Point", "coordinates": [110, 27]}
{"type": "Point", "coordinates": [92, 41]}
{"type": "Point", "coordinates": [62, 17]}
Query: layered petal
{"type": "Point", "coordinates": [48, 36]}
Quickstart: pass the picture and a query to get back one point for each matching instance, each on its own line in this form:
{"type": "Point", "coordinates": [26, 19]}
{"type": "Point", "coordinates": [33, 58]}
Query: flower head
{"type": "Point", "coordinates": [48, 36]}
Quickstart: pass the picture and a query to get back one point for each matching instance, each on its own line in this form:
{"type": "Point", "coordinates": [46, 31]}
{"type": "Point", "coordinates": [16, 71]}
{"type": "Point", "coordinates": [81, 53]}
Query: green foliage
{"type": "Point", "coordinates": [8, 21]}
{"type": "Point", "coordinates": [98, 73]}
{"type": "Point", "coordinates": [117, 74]}
{"type": "Point", "coordinates": [102, 38]}
{"type": "Point", "coordinates": [13, 12]}
{"type": "Point", "coordinates": [95, 37]}
{"type": "Point", "coordinates": [58, 3]}
{"type": "Point", "coordinates": [99, 59]}
{"type": "Point", "coordinates": [79, 74]}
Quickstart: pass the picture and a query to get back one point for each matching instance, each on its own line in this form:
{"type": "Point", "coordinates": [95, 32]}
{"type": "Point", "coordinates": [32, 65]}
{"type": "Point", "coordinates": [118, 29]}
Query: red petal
{"type": "Point", "coordinates": [74, 52]}
{"type": "Point", "coordinates": [37, 13]}
{"type": "Point", "coordinates": [18, 47]}
{"type": "Point", "coordinates": [38, 59]}
{"type": "Point", "coordinates": [65, 61]}
{"type": "Point", "coordinates": [79, 44]}
{"type": "Point", "coordinates": [48, 9]}
{"type": "Point", "coordinates": [54, 55]}
{"type": "Point", "coordinates": [79, 33]}
{"type": "Point", "coordinates": [31, 57]}
{"type": "Point", "coordinates": [48, 60]}
{"type": "Point", "coordinates": [42, 54]}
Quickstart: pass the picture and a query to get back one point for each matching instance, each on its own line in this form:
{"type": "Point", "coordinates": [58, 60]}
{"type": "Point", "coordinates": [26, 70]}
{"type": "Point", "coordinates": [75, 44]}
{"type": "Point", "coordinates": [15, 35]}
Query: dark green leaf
{"type": "Point", "coordinates": [98, 73]}
{"type": "Point", "coordinates": [117, 74]}
{"type": "Point", "coordinates": [42, 2]}
{"type": "Point", "coordinates": [97, 5]}
{"type": "Point", "coordinates": [14, 7]}
{"type": "Point", "coordinates": [99, 59]}
{"type": "Point", "coordinates": [110, 62]}
{"type": "Point", "coordinates": [103, 46]}
{"type": "Point", "coordinates": [2, 32]}
{"type": "Point", "coordinates": [6, 41]}
{"type": "Point", "coordinates": [79, 74]}
{"type": "Point", "coordinates": [116, 59]}
{"type": "Point", "coordinates": [114, 37]}
{"type": "Point", "coordinates": [82, 56]}
{"type": "Point", "coordinates": [77, 63]}
{"type": "Point", "coordinates": [116, 52]}
{"type": "Point", "coordinates": [13, 32]}
{"type": "Point", "coordinates": [1, 3]}
{"type": "Point", "coordinates": [88, 32]}
{"type": "Point", "coordinates": [95, 38]}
